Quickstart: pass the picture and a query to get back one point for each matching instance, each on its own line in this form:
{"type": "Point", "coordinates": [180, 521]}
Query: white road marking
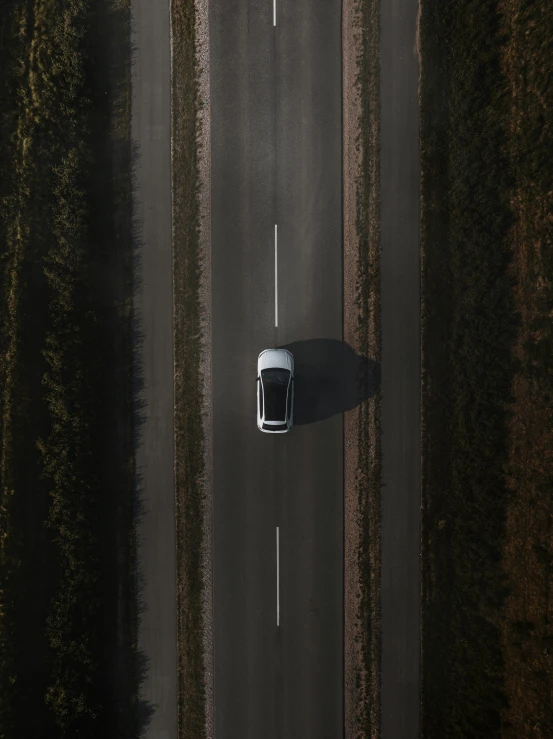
{"type": "Point", "coordinates": [276, 278]}
{"type": "Point", "coordinates": [278, 576]}
{"type": "Point", "coordinates": [274, 12]}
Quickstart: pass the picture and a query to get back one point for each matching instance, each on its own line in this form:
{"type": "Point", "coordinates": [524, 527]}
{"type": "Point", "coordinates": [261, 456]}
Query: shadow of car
{"type": "Point", "coordinates": [330, 378]}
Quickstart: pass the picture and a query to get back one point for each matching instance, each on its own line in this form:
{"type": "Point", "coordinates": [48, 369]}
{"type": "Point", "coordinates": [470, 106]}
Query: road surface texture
{"type": "Point", "coordinates": [157, 639]}
{"type": "Point", "coordinates": [400, 265]}
{"type": "Point", "coordinates": [276, 160]}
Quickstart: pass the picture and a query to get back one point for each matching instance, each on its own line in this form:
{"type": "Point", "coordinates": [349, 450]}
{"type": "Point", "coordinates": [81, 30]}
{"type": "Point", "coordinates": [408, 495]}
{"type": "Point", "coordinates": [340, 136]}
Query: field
{"type": "Point", "coordinates": [66, 406]}
{"type": "Point", "coordinates": [487, 380]}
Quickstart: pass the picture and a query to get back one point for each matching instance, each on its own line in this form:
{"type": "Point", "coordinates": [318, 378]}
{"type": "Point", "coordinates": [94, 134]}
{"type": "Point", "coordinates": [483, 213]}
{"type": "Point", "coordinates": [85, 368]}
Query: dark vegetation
{"type": "Point", "coordinates": [190, 481]}
{"type": "Point", "coordinates": [477, 296]}
{"type": "Point", "coordinates": [527, 626]}
{"type": "Point", "coordinates": [369, 470]}
{"type": "Point", "coordinates": [66, 505]}
{"type": "Point", "coordinates": [469, 328]}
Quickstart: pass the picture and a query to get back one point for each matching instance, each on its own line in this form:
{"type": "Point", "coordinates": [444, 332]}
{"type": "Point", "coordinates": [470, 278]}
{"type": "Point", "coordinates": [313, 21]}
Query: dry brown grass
{"type": "Point", "coordinates": [191, 326]}
{"type": "Point", "coordinates": [362, 333]}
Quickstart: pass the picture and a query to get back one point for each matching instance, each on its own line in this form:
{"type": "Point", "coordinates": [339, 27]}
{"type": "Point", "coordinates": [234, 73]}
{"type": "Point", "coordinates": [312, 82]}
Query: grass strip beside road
{"type": "Point", "coordinates": [362, 449]}
{"type": "Point", "coordinates": [191, 358]}
{"type": "Point", "coordinates": [487, 383]}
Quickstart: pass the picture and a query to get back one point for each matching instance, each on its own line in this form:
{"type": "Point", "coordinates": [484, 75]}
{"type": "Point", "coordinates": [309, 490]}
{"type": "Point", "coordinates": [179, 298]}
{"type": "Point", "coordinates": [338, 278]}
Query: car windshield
{"type": "Point", "coordinates": [275, 387]}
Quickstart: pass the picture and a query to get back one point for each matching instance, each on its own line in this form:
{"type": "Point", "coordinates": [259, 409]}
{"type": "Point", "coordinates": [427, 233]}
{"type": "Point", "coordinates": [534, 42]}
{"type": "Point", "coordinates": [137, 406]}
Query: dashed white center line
{"type": "Point", "coordinates": [276, 277]}
{"type": "Point", "coordinates": [278, 576]}
{"type": "Point", "coordinates": [274, 12]}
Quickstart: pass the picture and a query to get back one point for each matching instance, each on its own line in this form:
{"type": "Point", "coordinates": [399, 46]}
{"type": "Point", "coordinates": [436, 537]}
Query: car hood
{"type": "Point", "coordinates": [272, 358]}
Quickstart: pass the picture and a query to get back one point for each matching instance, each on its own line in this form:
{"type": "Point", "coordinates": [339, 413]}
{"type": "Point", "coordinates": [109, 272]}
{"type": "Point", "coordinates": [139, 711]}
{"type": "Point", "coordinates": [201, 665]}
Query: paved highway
{"type": "Point", "coordinates": [276, 161]}
{"type": "Point", "coordinates": [157, 639]}
{"type": "Point", "coordinates": [400, 208]}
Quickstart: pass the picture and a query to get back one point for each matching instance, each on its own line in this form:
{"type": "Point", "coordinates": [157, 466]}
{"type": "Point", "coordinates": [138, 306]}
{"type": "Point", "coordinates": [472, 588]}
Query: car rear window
{"type": "Point", "coordinates": [270, 427]}
{"type": "Point", "coordinates": [275, 388]}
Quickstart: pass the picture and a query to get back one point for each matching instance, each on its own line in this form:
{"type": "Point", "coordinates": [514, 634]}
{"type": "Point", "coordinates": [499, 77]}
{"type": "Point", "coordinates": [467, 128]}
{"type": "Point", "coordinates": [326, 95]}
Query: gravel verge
{"type": "Point", "coordinates": [362, 456]}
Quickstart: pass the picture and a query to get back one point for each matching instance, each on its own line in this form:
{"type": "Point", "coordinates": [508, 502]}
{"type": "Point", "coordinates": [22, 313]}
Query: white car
{"type": "Point", "coordinates": [275, 391]}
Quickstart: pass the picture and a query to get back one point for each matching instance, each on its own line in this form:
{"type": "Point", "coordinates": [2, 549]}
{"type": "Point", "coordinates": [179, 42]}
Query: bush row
{"type": "Point", "coordinates": [51, 436]}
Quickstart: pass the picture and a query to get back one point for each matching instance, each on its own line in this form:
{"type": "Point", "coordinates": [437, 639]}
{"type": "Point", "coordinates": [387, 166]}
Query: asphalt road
{"type": "Point", "coordinates": [400, 207]}
{"type": "Point", "coordinates": [276, 159]}
{"type": "Point", "coordinates": [150, 128]}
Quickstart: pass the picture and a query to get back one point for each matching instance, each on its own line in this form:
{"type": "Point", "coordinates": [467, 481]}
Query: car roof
{"type": "Point", "coordinates": [275, 384]}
